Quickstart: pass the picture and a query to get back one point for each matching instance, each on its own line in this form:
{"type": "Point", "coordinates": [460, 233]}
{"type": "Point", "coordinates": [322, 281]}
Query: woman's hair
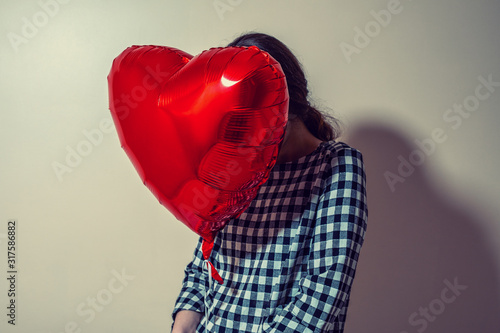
{"type": "Point", "coordinates": [322, 126]}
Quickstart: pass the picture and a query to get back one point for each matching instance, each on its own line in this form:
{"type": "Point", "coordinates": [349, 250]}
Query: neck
{"type": "Point", "coordinates": [298, 142]}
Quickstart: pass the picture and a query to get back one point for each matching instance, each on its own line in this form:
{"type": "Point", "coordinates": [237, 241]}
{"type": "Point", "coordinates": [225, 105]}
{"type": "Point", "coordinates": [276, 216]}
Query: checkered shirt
{"type": "Point", "coordinates": [288, 262]}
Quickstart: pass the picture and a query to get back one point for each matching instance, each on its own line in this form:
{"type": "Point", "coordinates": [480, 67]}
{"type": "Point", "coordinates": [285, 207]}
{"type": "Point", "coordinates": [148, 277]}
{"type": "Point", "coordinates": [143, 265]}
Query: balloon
{"type": "Point", "coordinates": [202, 132]}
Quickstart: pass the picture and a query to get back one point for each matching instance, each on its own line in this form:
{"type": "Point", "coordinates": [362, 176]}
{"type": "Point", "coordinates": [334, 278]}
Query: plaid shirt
{"type": "Point", "coordinates": [288, 262]}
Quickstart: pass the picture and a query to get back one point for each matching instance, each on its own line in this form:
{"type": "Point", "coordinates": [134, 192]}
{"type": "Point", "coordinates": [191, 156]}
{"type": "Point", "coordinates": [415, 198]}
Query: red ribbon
{"type": "Point", "coordinates": [206, 248]}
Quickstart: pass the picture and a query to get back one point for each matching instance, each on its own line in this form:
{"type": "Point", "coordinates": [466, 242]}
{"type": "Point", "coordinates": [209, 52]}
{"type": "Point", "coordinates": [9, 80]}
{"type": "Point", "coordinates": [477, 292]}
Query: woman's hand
{"type": "Point", "coordinates": [186, 321]}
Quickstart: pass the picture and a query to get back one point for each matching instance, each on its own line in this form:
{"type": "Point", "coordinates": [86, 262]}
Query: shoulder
{"type": "Point", "coordinates": [346, 179]}
{"type": "Point", "coordinates": [343, 168]}
{"type": "Point", "coordinates": [343, 157]}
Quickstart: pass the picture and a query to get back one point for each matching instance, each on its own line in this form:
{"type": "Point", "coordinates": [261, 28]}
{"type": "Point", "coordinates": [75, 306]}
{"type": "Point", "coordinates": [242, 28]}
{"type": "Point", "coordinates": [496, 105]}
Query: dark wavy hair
{"type": "Point", "coordinates": [321, 125]}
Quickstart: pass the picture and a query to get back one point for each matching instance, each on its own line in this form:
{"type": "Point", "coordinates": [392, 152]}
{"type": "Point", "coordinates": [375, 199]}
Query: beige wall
{"type": "Point", "coordinates": [435, 226]}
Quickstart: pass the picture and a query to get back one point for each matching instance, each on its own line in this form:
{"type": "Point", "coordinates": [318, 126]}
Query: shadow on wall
{"type": "Point", "coordinates": [426, 265]}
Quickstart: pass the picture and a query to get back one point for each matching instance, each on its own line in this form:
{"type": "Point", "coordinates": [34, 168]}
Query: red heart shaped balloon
{"type": "Point", "coordinates": [202, 132]}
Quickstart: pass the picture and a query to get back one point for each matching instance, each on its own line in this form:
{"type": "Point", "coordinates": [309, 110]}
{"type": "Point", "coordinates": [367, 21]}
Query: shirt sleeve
{"type": "Point", "coordinates": [191, 295]}
{"type": "Point", "coordinates": [337, 237]}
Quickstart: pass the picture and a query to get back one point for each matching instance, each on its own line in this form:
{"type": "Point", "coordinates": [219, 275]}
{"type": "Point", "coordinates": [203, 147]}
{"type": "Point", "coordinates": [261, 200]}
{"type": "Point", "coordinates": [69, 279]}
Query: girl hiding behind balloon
{"type": "Point", "coordinates": [289, 260]}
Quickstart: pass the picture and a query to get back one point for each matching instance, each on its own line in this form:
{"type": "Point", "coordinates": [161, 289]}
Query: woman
{"type": "Point", "coordinates": [289, 260]}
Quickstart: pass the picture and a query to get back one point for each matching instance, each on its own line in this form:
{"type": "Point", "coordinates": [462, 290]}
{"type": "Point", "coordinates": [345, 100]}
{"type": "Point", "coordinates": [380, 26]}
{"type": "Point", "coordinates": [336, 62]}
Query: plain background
{"type": "Point", "coordinates": [440, 224]}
